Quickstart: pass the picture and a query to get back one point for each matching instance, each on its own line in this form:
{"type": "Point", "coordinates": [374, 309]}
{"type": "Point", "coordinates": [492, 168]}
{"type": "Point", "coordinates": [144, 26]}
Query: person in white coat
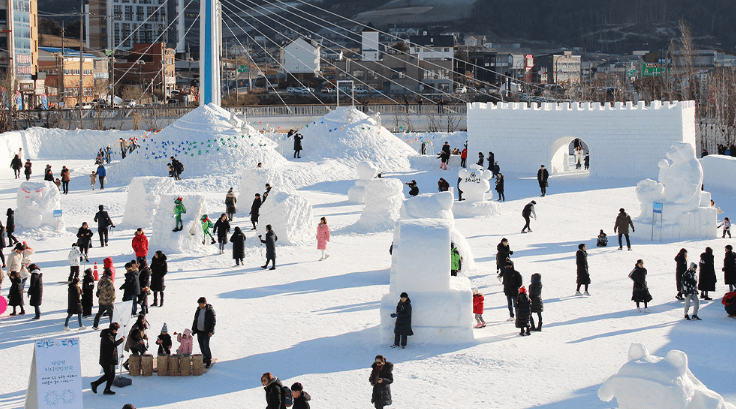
{"type": "Point", "coordinates": [578, 157]}
{"type": "Point", "coordinates": [75, 257]}
{"type": "Point", "coordinates": [25, 274]}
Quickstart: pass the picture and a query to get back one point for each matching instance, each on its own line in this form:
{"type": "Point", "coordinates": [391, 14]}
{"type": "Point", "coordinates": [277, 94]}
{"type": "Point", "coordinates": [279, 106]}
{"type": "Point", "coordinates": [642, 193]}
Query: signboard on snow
{"type": "Point", "coordinates": [657, 207]}
{"type": "Point", "coordinates": [57, 213]}
{"type": "Point", "coordinates": [56, 375]}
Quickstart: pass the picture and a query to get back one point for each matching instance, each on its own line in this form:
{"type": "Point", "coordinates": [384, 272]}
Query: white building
{"type": "Point", "coordinates": [371, 46]}
{"type": "Point", "coordinates": [301, 57]}
{"type": "Point", "coordinates": [432, 47]}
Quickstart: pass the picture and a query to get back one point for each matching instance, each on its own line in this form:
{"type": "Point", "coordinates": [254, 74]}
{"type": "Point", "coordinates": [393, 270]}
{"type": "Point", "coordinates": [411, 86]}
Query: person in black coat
{"type": "Point", "coordinates": [88, 291]}
{"type": "Point", "coordinates": [103, 223]}
{"type": "Point", "coordinates": [481, 159]}
{"type": "Point", "coordinates": [15, 296]}
{"type": "Point", "coordinates": [523, 312]}
{"type": "Point", "coordinates": [16, 164]}
{"type": "Point", "coordinates": [144, 280]}
{"type": "Point", "coordinates": [491, 161]}
{"type": "Point", "coordinates": [266, 193]}
{"type": "Point", "coordinates": [35, 290]}
{"type": "Point", "coordinates": [204, 328]}
{"type": "Point", "coordinates": [270, 243]}
{"type": "Point", "coordinates": [10, 227]}
{"type": "Point", "coordinates": [542, 176]}
{"type": "Point", "coordinates": [274, 391]}
{"type": "Point", "coordinates": [48, 174]}
{"type": "Point", "coordinates": [381, 379]}
{"type": "Point", "coordinates": [28, 169]}
{"type": "Point", "coordinates": [301, 397]}
{"type": "Point", "coordinates": [84, 239]}
{"type": "Point", "coordinates": [2, 247]}
{"type": "Point", "coordinates": [298, 145]}
{"type": "Point", "coordinates": [681, 267]}
{"type": "Point", "coordinates": [503, 251]}
{"type": "Point", "coordinates": [255, 208]}
{"type": "Point", "coordinates": [413, 189]}
{"type": "Point", "coordinates": [108, 357]}
{"type": "Point", "coordinates": [708, 278]}
{"type": "Point", "coordinates": [164, 341]}
{"type": "Point", "coordinates": [159, 268]}
{"type": "Point", "coordinates": [640, 291]}
{"type": "Point", "coordinates": [535, 295]}
{"type": "Point", "coordinates": [581, 260]}
{"type": "Point", "coordinates": [512, 281]}
{"type": "Point", "coordinates": [238, 240]}
{"type": "Point", "coordinates": [74, 304]}
{"type": "Point", "coordinates": [222, 228]}
{"type": "Point", "coordinates": [500, 187]}
{"type": "Point", "coordinates": [729, 268]}
{"type": "Point", "coordinates": [402, 330]}
{"type": "Point", "coordinates": [132, 286]}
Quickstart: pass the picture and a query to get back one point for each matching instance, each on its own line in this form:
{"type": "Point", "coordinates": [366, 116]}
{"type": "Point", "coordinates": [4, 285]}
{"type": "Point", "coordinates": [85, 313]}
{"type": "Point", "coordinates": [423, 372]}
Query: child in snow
{"type": "Point", "coordinates": [726, 227]}
{"type": "Point", "coordinates": [403, 321]}
{"type": "Point", "coordinates": [57, 182]}
{"type": "Point", "coordinates": [164, 341]}
{"type": "Point", "coordinates": [478, 304]}
{"type": "Point", "coordinates": [185, 342]}
{"type": "Point", "coordinates": [171, 170]}
{"type": "Point", "coordinates": [535, 296]}
{"type": "Point", "coordinates": [455, 260]}
{"type": "Point", "coordinates": [93, 179]}
{"type": "Point", "coordinates": [602, 239]}
{"type": "Point", "coordinates": [523, 312]}
{"type": "Point", "coordinates": [690, 291]}
{"type": "Point", "coordinates": [301, 397]}
{"type": "Point", "coordinates": [206, 226]}
{"type": "Point", "coordinates": [178, 210]}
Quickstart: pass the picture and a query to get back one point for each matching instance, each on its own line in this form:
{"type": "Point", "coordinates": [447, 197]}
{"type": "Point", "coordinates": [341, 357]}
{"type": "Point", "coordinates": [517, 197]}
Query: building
{"type": "Point", "coordinates": [433, 47]}
{"type": "Point", "coordinates": [150, 66]}
{"type": "Point", "coordinates": [560, 68]}
{"type": "Point", "coordinates": [301, 57]}
{"type": "Point", "coordinates": [61, 67]}
{"type": "Point", "coordinates": [703, 60]}
{"type": "Point", "coordinates": [398, 74]}
{"type": "Point", "coordinates": [19, 50]}
{"type": "Point", "coordinates": [370, 47]}
{"type": "Point", "coordinates": [476, 64]}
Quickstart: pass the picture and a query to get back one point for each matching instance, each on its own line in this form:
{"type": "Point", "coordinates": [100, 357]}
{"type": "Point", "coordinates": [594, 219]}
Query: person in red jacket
{"type": "Point", "coordinates": [140, 245]}
{"type": "Point", "coordinates": [478, 305]}
{"type": "Point", "coordinates": [464, 156]}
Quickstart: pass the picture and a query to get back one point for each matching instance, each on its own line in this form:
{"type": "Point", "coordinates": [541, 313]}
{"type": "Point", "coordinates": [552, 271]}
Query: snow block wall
{"type": "Point", "coordinates": [622, 139]}
{"type": "Point", "coordinates": [365, 172]}
{"type": "Point", "coordinates": [254, 181]}
{"type": "Point", "coordinates": [381, 207]}
{"type": "Point", "coordinates": [188, 240]}
{"type": "Point", "coordinates": [652, 382]}
{"type": "Point", "coordinates": [442, 306]}
{"type": "Point", "coordinates": [718, 171]}
{"type": "Point", "coordinates": [144, 196]}
{"type": "Point", "coordinates": [291, 217]}
{"type": "Point", "coordinates": [36, 203]}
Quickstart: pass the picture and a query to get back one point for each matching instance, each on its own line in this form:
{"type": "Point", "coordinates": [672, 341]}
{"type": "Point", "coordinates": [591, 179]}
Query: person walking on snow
{"type": "Point", "coordinates": [581, 260]}
{"type": "Point", "coordinates": [512, 281]}
{"type": "Point", "coordinates": [35, 290]}
{"type": "Point", "coordinates": [178, 210]}
{"type": "Point", "coordinates": [222, 228]}
{"type": "Point", "coordinates": [48, 174]}
{"type": "Point", "coordinates": [75, 257]}
{"type": "Point", "coordinates": [323, 237]}
{"type": "Point", "coordinates": [527, 213]}
{"type": "Point", "coordinates": [402, 330]}
{"type": "Point", "coordinates": [478, 306]}
{"type": "Point", "coordinates": [203, 327]}
{"type": "Point", "coordinates": [542, 176]}
{"type": "Point", "coordinates": [159, 268]}
{"type": "Point", "coordinates": [455, 260]}
{"type": "Point", "coordinates": [74, 305]}
{"type": "Point", "coordinates": [381, 379]}
{"type": "Point", "coordinates": [623, 221]}
{"type": "Point", "coordinates": [140, 245]}
{"type": "Point", "coordinates": [103, 223]}
{"type": "Point", "coordinates": [464, 157]}
{"type": "Point", "coordinates": [206, 226]}
{"type": "Point", "coordinates": [298, 145]}
{"type": "Point", "coordinates": [238, 240]}
{"type": "Point", "coordinates": [65, 178]}
{"type": "Point", "coordinates": [535, 296]}
{"type": "Point", "coordinates": [640, 291]}
{"type": "Point", "coordinates": [93, 179]}
{"type": "Point", "coordinates": [500, 187]}
{"type": "Point", "coordinates": [270, 243]}
{"type": "Point", "coordinates": [523, 312]}
{"type": "Point", "coordinates": [729, 268]}
{"type": "Point", "coordinates": [680, 268]}
{"type": "Point", "coordinates": [101, 174]}
{"type": "Point", "coordinates": [230, 201]}
{"type": "Point", "coordinates": [255, 208]}
{"type": "Point", "coordinates": [105, 297]}
{"type": "Point", "coordinates": [708, 278]}
{"type": "Point", "coordinates": [690, 290]}
{"type": "Point", "coordinates": [16, 164]}
{"type": "Point", "coordinates": [10, 227]}
{"type": "Point", "coordinates": [88, 289]}
{"type": "Point", "coordinates": [27, 169]}
{"type": "Point", "coordinates": [108, 357]}
{"type": "Point", "coordinates": [84, 240]}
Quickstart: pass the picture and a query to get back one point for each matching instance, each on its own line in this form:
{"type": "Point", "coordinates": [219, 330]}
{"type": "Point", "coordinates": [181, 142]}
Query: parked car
{"type": "Point", "coordinates": [85, 105]}
{"type": "Point", "coordinates": [359, 90]}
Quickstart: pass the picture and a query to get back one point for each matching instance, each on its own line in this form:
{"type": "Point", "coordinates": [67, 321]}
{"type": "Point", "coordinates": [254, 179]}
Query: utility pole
{"type": "Point", "coordinates": [60, 73]}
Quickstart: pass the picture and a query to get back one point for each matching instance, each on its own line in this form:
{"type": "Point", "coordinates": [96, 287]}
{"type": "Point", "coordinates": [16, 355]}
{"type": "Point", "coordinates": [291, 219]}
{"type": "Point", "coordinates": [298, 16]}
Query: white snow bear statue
{"type": "Point", "coordinates": [652, 382]}
{"type": "Point", "coordinates": [686, 208]}
{"type": "Point", "coordinates": [36, 204]}
{"type": "Point", "coordinates": [475, 185]}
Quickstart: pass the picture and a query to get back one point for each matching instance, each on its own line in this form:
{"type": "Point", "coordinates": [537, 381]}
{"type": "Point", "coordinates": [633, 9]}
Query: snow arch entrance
{"type": "Point", "coordinates": [562, 154]}
{"type": "Point", "coordinates": [626, 140]}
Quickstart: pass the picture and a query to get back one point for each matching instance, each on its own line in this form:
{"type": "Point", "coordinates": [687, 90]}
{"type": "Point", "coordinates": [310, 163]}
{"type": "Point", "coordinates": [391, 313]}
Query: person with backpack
{"type": "Point", "coordinates": [275, 393]}
{"type": "Point", "coordinates": [729, 268]}
{"type": "Point", "coordinates": [270, 243]}
{"type": "Point", "coordinates": [230, 201]}
{"type": "Point", "coordinates": [708, 280]}
{"type": "Point", "coordinates": [255, 209]}
{"type": "Point", "coordinates": [103, 223]}
{"type": "Point", "coordinates": [381, 379]}
{"type": "Point", "coordinates": [623, 221]}
{"type": "Point", "coordinates": [402, 330]}
{"type": "Point", "coordinates": [523, 312]}
{"type": "Point", "coordinates": [542, 176]}
{"type": "Point", "coordinates": [690, 291]}
{"type": "Point", "coordinates": [512, 281]}
{"type": "Point", "coordinates": [300, 396]}
{"type": "Point", "coordinates": [527, 213]}
{"type": "Point", "coordinates": [640, 290]}
{"type": "Point", "coordinates": [581, 261]}
{"type": "Point", "coordinates": [535, 296]}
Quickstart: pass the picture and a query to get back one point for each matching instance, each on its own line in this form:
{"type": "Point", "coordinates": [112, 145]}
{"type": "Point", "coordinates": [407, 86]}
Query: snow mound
{"type": "Point", "coordinates": [254, 181]}
{"type": "Point", "coordinates": [144, 197]}
{"type": "Point", "coordinates": [365, 171]}
{"type": "Point", "coordinates": [475, 185]}
{"type": "Point", "coordinates": [686, 208]}
{"type": "Point", "coordinates": [351, 136]}
{"type": "Point", "coordinates": [718, 171]}
{"type": "Point", "coordinates": [382, 206]}
{"type": "Point", "coordinates": [290, 216]}
{"type": "Point", "coordinates": [208, 141]}
{"type": "Point", "coordinates": [188, 240]}
{"type": "Point", "coordinates": [36, 203]}
{"type": "Point", "coordinates": [652, 382]}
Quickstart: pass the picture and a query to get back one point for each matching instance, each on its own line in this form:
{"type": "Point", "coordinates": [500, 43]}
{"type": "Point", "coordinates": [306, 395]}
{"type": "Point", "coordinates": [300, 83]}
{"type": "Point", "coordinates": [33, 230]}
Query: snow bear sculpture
{"type": "Point", "coordinates": [365, 173]}
{"type": "Point", "coordinates": [686, 208]}
{"type": "Point", "coordinates": [475, 185]}
{"type": "Point", "coordinates": [652, 382]}
{"type": "Point", "coordinates": [36, 204]}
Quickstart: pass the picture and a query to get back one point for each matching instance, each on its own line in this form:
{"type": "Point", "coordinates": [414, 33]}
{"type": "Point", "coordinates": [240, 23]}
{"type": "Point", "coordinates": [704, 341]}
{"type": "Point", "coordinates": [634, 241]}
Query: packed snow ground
{"type": "Point", "coordinates": [318, 322]}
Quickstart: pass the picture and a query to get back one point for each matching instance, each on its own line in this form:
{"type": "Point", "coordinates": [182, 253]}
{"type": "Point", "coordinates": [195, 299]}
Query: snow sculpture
{"type": "Point", "coordinates": [382, 204]}
{"type": "Point", "coordinates": [290, 215]}
{"type": "Point", "coordinates": [189, 239]}
{"type": "Point", "coordinates": [652, 382]}
{"type": "Point", "coordinates": [442, 305]}
{"type": "Point", "coordinates": [475, 185]}
{"type": "Point", "coordinates": [36, 203]}
{"type": "Point", "coordinates": [254, 181]}
{"type": "Point", "coordinates": [686, 209]}
{"type": "Point", "coordinates": [144, 196]}
{"type": "Point", "coordinates": [365, 172]}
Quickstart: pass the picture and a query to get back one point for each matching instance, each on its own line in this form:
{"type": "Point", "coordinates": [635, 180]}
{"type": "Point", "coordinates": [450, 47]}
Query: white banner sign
{"type": "Point", "coordinates": [56, 375]}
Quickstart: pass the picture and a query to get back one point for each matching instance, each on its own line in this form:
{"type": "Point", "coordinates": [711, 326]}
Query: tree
{"type": "Point", "coordinates": [49, 26]}
{"type": "Point", "coordinates": [72, 29]}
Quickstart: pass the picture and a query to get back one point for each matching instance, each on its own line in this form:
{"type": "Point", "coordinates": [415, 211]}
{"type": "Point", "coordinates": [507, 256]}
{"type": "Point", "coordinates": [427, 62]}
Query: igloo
{"type": "Point", "coordinates": [477, 194]}
{"type": "Point", "coordinates": [686, 208]}
{"type": "Point", "coordinates": [291, 217]}
{"type": "Point", "coordinates": [365, 172]}
{"type": "Point", "coordinates": [381, 206]}
{"type": "Point", "coordinates": [36, 203]}
{"type": "Point", "coordinates": [442, 305]}
{"type": "Point", "coordinates": [189, 239]}
{"type": "Point", "coordinates": [144, 196]}
{"type": "Point", "coordinates": [652, 382]}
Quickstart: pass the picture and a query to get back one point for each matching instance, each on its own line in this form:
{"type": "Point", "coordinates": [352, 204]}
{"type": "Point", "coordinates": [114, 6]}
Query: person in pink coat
{"type": "Point", "coordinates": [323, 236]}
{"type": "Point", "coordinates": [186, 342]}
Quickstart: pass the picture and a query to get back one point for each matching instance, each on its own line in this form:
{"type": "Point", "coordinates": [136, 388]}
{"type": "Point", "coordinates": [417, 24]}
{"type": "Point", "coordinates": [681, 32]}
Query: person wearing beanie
{"type": "Point", "coordinates": [403, 321]}
{"type": "Point", "coordinates": [690, 291]}
{"type": "Point", "coordinates": [203, 327]}
{"type": "Point", "coordinates": [301, 398]}
{"type": "Point", "coordinates": [527, 213]}
{"type": "Point", "coordinates": [478, 306]}
{"type": "Point", "coordinates": [523, 312]}
{"type": "Point", "coordinates": [164, 341]}
{"type": "Point", "coordinates": [581, 260]}
{"type": "Point", "coordinates": [535, 296]}
{"type": "Point", "coordinates": [623, 221]}
{"type": "Point", "coordinates": [35, 290]}
{"type": "Point", "coordinates": [542, 176]}
{"type": "Point", "coordinates": [75, 257]}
